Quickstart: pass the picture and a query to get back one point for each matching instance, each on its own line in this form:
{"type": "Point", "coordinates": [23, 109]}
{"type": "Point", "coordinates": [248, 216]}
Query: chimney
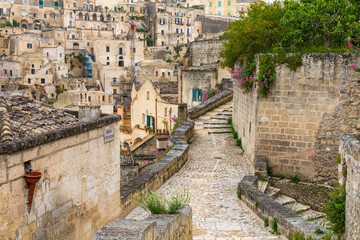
{"type": "Point", "coordinates": [89, 113]}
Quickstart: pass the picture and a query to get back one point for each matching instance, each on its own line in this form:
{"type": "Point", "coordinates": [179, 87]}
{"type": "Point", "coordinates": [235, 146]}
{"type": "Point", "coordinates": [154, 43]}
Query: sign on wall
{"type": "Point", "coordinates": [109, 134]}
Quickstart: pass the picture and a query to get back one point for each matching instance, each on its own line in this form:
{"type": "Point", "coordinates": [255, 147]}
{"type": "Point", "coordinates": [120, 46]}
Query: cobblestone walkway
{"type": "Point", "coordinates": [214, 168]}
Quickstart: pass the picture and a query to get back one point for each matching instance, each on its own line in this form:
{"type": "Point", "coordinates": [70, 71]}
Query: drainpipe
{"type": "Point", "coordinates": [156, 116]}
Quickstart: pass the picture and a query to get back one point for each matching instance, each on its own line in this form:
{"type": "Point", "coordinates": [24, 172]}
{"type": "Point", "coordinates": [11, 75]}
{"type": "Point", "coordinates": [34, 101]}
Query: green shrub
{"type": "Point", "coordinates": [300, 236]}
{"type": "Point", "coordinates": [238, 142]}
{"type": "Point", "coordinates": [295, 179]}
{"type": "Point", "coordinates": [266, 222]}
{"type": "Point", "coordinates": [256, 204]}
{"type": "Point", "coordinates": [156, 203]}
{"type": "Point", "coordinates": [229, 120]}
{"type": "Point", "coordinates": [234, 134]}
{"type": "Point", "coordinates": [319, 231]}
{"type": "Point", "coordinates": [261, 179]}
{"type": "Point", "coordinates": [335, 209]}
{"type": "Point", "coordinates": [269, 169]}
{"type": "Point", "coordinates": [179, 201]}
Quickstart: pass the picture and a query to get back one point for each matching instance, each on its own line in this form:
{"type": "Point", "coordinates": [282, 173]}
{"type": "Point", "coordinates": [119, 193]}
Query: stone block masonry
{"type": "Point", "coordinates": [79, 191]}
{"type": "Point", "coordinates": [298, 126]}
{"type": "Point", "coordinates": [349, 170]}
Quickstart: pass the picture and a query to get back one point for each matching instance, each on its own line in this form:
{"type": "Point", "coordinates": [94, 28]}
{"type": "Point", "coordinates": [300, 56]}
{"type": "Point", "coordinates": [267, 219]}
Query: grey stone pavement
{"type": "Point", "coordinates": [211, 175]}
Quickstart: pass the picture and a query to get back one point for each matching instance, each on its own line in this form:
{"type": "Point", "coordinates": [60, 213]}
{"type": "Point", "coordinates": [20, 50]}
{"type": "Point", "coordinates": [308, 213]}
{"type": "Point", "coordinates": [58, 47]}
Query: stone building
{"type": "Point", "coordinates": [169, 24]}
{"type": "Point", "coordinates": [228, 8]}
{"type": "Point", "coordinates": [74, 99]}
{"type": "Point", "coordinates": [298, 126]}
{"type": "Point", "coordinates": [79, 190]}
{"type": "Point", "coordinates": [157, 70]}
{"type": "Point", "coordinates": [154, 104]}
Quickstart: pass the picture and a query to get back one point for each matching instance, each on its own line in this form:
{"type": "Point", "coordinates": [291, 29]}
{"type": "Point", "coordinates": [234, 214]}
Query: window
{"type": "Point", "coordinates": [229, 14]}
{"type": "Point", "coordinates": [219, 3]}
{"type": "Point", "coordinates": [131, 9]}
{"type": "Point", "coordinates": [177, 31]}
{"type": "Point", "coordinates": [157, 73]}
{"type": "Point", "coordinates": [88, 37]}
{"type": "Point", "coordinates": [229, 2]}
{"type": "Point", "coordinates": [162, 21]}
{"type": "Point", "coordinates": [115, 9]}
{"type": "Point", "coordinates": [143, 118]}
{"type": "Point", "coordinates": [25, 2]}
{"type": "Point", "coordinates": [107, 63]}
{"type": "Point", "coordinates": [45, 15]}
{"type": "Point", "coordinates": [169, 74]}
{"type": "Point", "coordinates": [196, 94]}
{"type": "Point", "coordinates": [165, 112]}
{"type": "Point", "coordinates": [120, 51]}
{"type": "Point", "coordinates": [114, 92]}
{"type": "Point", "coordinates": [41, 3]}
{"type": "Point", "coordinates": [162, 43]}
{"type": "Point", "coordinates": [122, 19]}
{"type": "Point", "coordinates": [147, 95]}
{"type": "Point", "coordinates": [107, 58]}
{"type": "Point", "coordinates": [242, 9]}
{"type": "Point", "coordinates": [71, 15]}
{"type": "Point", "coordinates": [56, 5]}
{"type": "Point", "coordinates": [29, 80]}
{"type": "Point", "coordinates": [29, 45]}
{"type": "Point", "coordinates": [74, 4]}
{"type": "Point", "coordinates": [162, 32]}
{"type": "Point", "coordinates": [140, 10]}
{"type": "Point", "coordinates": [121, 63]}
{"type": "Point", "coordinates": [59, 35]}
{"type": "Point", "coordinates": [103, 98]}
{"type": "Point", "coordinates": [43, 81]}
{"type": "Point", "coordinates": [134, 49]}
{"type": "Point", "coordinates": [107, 49]}
{"type": "Point", "coordinates": [114, 80]}
{"type": "Point", "coordinates": [163, 74]}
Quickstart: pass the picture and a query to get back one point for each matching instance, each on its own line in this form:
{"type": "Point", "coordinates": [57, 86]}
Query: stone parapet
{"type": "Point", "coordinates": [349, 174]}
{"type": "Point", "coordinates": [288, 222]}
{"type": "Point", "coordinates": [157, 226]}
{"type": "Point", "coordinates": [213, 102]}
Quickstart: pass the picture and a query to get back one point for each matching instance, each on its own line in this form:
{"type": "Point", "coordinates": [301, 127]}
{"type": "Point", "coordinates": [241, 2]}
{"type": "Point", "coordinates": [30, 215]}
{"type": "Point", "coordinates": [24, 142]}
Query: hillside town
{"type": "Point", "coordinates": [179, 119]}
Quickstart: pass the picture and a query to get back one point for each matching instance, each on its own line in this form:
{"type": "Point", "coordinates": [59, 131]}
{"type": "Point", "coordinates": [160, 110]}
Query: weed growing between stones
{"type": "Point", "coordinates": [238, 193]}
{"type": "Point", "coordinates": [256, 204]}
{"type": "Point", "coordinates": [266, 222]}
{"type": "Point", "coordinates": [234, 133]}
{"type": "Point", "coordinates": [300, 236]}
{"type": "Point", "coordinates": [338, 159]}
{"type": "Point", "coordinates": [319, 231]}
{"type": "Point", "coordinates": [274, 225]}
{"type": "Point", "coordinates": [156, 203]}
{"type": "Point", "coordinates": [295, 179]}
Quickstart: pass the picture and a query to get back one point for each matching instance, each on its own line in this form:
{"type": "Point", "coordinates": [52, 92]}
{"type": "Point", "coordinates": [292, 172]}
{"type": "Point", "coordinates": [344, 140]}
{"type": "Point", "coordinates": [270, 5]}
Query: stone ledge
{"type": "Point", "coordinates": [157, 226]}
{"type": "Point", "coordinates": [212, 102]}
{"type": "Point", "coordinates": [350, 145]}
{"type": "Point", "coordinates": [288, 222]}
{"type": "Point", "coordinates": [42, 138]}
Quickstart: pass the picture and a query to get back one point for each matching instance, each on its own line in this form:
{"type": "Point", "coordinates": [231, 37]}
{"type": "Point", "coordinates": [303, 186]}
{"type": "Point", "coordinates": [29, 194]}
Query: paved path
{"type": "Point", "coordinates": [214, 168]}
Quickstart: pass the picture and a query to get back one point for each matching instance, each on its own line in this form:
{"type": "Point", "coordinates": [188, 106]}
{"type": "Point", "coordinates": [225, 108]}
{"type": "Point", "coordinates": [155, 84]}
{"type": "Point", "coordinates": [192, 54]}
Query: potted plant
{"type": "Point", "coordinates": [137, 126]}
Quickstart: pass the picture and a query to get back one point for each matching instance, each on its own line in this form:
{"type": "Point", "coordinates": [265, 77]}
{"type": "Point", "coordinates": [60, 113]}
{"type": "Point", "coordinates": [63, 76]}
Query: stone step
{"type": "Point", "coordinates": [211, 126]}
{"type": "Point", "coordinates": [297, 207]}
{"type": "Point", "coordinates": [216, 122]}
{"type": "Point", "coordinates": [283, 200]}
{"type": "Point", "coordinates": [272, 192]}
{"type": "Point", "coordinates": [220, 117]}
{"type": "Point", "coordinates": [312, 215]}
{"type": "Point", "coordinates": [229, 114]}
{"type": "Point", "coordinates": [262, 185]}
{"type": "Point", "coordinates": [219, 131]}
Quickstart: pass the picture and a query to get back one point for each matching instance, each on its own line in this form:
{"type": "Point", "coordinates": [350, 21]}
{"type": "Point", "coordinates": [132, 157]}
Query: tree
{"type": "Point", "coordinates": [257, 32]}
{"type": "Point", "coordinates": [328, 23]}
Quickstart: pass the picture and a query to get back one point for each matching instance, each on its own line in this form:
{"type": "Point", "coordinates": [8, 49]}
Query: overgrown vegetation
{"type": "Point", "coordinates": [294, 179]}
{"type": "Point", "coordinates": [288, 27]}
{"type": "Point", "coordinates": [274, 225]}
{"type": "Point", "coordinates": [234, 133]}
{"type": "Point", "coordinates": [338, 159]}
{"type": "Point", "coordinates": [238, 193]}
{"type": "Point", "coordinates": [266, 222]}
{"type": "Point", "coordinates": [156, 203]}
{"type": "Point", "coordinates": [335, 209]}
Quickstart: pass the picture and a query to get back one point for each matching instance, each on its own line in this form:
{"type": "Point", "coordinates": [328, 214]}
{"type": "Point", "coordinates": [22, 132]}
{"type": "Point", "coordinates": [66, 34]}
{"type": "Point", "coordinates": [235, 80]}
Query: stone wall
{"type": "Point", "coordinates": [206, 52]}
{"type": "Point", "coordinates": [288, 222]}
{"type": "Point", "coordinates": [297, 127]}
{"type": "Point", "coordinates": [215, 25]}
{"type": "Point", "coordinates": [155, 227]}
{"type": "Point", "coordinates": [78, 192]}
{"type": "Point", "coordinates": [349, 170]}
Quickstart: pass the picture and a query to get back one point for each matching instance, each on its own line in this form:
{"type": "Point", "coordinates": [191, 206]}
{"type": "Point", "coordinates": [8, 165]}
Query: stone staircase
{"type": "Point", "coordinates": [215, 121]}
{"type": "Point", "coordinates": [303, 210]}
